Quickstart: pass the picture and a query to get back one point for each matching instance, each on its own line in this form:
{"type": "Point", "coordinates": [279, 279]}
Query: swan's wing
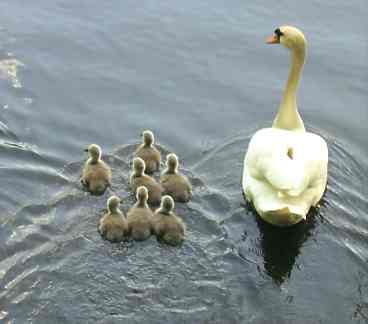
{"type": "Point", "coordinates": [272, 180]}
{"type": "Point", "coordinates": [284, 173]}
{"type": "Point", "coordinates": [282, 160]}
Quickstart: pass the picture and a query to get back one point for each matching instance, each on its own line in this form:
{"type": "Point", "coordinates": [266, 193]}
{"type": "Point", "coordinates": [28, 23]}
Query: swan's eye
{"type": "Point", "coordinates": [278, 32]}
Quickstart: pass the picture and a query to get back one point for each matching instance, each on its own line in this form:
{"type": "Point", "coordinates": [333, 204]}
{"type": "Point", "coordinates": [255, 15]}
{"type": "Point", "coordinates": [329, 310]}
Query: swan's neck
{"type": "Point", "coordinates": [288, 116]}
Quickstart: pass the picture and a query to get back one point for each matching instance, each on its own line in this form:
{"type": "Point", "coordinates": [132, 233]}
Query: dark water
{"type": "Point", "coordinates": [200, 76]}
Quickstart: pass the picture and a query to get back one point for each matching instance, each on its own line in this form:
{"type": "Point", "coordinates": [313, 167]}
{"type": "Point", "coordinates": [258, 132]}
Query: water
{"type": "Point", "coordinates": [200, 76]}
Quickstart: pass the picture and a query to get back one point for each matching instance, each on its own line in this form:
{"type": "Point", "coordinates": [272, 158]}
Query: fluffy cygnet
{"type": "Point", "coordinates": [168, 227]}
{"type": "Point", "coordinates": [113, 225]}
{"type": "Point", "coordinates": [139, 178]}
{"type": "Point", "coordinates": [149, 153]}
{"type": "Point", "coordinates": [140, 216]}
{"type": "Point", "coordinates": [96, 175]}
{"type": "Point", "coordinates": [173, 182]}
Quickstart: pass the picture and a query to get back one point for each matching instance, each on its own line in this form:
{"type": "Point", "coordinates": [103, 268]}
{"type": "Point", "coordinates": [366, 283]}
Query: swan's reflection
{"type": "Point", "coordinates": [281, 246]}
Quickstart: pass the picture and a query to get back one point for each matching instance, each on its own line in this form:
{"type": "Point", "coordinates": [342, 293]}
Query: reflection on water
{"type": "Point", "coordinates": [273, 249]}
{"type": "Point", "coordinates": [281, 246]}
{"type": "Point", "coordinates": [9, 70]}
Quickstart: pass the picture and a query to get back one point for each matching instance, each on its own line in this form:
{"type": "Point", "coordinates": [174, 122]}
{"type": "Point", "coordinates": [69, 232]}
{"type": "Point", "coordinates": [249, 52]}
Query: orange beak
{"type": "Point", "coordinates": [273, 40]}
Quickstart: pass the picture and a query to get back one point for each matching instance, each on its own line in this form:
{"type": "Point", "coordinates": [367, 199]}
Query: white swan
{"type": "Point", "coordinates": [285, 167]}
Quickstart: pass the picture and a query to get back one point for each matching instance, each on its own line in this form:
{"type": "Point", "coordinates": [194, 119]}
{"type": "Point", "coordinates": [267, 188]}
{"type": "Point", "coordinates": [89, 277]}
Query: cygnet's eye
{"type": "Point", "coordinates": [278, 33]}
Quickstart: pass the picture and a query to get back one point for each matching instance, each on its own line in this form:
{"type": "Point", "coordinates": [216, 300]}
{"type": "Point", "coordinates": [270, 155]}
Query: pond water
{"type": "Point", "coordinates": [199, 74]}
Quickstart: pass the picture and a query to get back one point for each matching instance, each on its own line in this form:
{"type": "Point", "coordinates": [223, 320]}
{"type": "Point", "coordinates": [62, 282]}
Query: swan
{"type": "Point", "coordinates": [285, 167]}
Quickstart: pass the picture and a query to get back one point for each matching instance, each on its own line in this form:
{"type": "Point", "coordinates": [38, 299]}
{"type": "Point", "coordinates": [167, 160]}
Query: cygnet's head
{"type": "Point", "coordinates": [172, 163]}
{"type": "Point", "coordinates": [289, 36]}
{"type": "Point", "coordinates": [167, 204]}
{"type": "Point", "coordinates": [113, 204]}
{"type": "Point", "coordinates": [138, 166]}
{"type": "Point", "coordinates": [94, 152]}
{"type": "Point", "coordinates": [142, 194]}
{"type": "Point", "coordinates": [148, 138]}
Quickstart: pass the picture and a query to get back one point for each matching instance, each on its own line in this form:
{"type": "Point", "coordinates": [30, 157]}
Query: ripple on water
{"type": "Point", "coordinates": [232, 268]}
{"type": "Point", "coordinates": [26, 176]}
{"type": "Point", "coordinates": [55, 255]}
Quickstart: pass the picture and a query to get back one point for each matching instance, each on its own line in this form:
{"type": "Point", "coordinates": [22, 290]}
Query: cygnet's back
{"type": "Point", "coordinates": [113, 225]}
{"type": "Point", "coordinates": [174, 183]}
{"type": "Point", "coordinates": [149, 153]}
{"type": "Point", "coordinates": [140, 216]}
{"type": "Point", "coordinates": [168, 227]}
{"type": "Point", "coordinates": [138, 178]}
{"type": "Point", "coordinates": [96, 175]}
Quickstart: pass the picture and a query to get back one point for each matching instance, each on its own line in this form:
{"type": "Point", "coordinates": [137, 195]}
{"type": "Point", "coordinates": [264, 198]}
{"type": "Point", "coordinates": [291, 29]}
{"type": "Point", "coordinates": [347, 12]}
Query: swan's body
{"type": "Point", "coordinates": [285, 168]}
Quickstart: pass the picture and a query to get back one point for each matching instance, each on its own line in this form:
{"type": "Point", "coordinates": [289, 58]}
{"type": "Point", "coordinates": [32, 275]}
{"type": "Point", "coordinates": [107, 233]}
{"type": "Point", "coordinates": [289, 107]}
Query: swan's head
{"type": "Point", "coordinates": [167, 204]}
{"type": "Point", "coordinates": [172, 163]}
{"type": "Point", "coordinates": [148, 138]}
{"type": "Point", "coordinates": [94, 152]}
{"type": "Point", "coordinates": [113, 204]}
{"type": "Point", "coordinates": [142, 194]}
{"type": "Point", "coordinates": [138, 166]}
{"type": "Point", "coordinates": [289, 36]}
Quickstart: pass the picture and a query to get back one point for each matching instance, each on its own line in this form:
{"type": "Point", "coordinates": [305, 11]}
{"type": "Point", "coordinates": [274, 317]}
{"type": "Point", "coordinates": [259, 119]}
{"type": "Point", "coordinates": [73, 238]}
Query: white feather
{"type": "Point", "coordinates": [273, 181]}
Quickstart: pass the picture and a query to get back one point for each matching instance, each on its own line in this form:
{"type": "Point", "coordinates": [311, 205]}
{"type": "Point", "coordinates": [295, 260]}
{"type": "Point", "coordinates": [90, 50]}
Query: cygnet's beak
{"type": "Point", "coordinates": [85, 150]}
{"type": "Point", "coordinates": [274, 39]}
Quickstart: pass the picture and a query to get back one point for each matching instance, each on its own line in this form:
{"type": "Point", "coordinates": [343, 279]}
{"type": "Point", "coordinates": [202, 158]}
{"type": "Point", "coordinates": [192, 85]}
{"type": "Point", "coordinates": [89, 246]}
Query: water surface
{"type": "Point", "coordinates": [200, 76]}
